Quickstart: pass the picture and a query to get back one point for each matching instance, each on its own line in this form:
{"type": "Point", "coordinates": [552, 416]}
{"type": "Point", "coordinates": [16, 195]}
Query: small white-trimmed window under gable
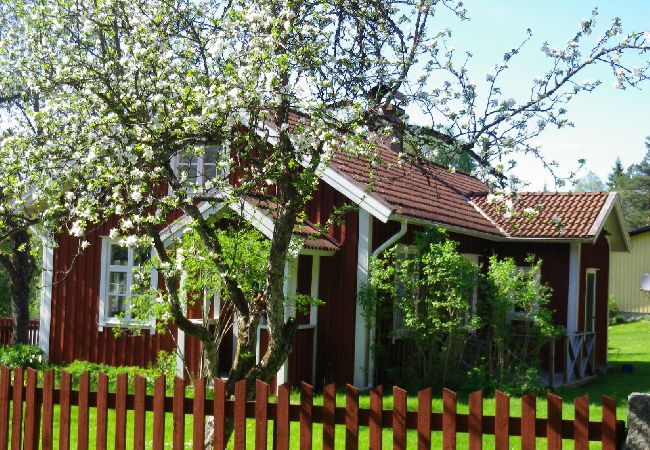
{"type": "Point", "coordinates": [118, 265]}
{"type": "Point", "coordinates": [202, 168]}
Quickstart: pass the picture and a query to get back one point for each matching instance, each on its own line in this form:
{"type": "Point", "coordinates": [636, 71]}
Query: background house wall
{"type": "Point", "coordinates": [625, 274]}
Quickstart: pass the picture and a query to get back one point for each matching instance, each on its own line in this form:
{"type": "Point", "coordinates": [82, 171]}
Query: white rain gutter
{"type": "Point", "coordinates": [370, 336]}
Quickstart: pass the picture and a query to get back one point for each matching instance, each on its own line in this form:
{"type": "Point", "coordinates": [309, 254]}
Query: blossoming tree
{"type": "Point", "coordinates": [140, 100]}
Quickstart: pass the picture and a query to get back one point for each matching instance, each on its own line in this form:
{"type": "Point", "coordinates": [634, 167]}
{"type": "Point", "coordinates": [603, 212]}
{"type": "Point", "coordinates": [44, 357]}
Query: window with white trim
{"type": "Point", "coordinates": [403, 252]}
{"type": "Point", "coordinates": [116, 282]}
{"type": "Point", "coordinates": [590, 299]}
{"type": "Point", "coordinates": [204, 167]}
{"type": "Point", "coordinates": [518, 313]}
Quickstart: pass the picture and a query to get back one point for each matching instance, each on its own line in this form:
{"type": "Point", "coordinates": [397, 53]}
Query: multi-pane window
{"type": "Point", "coordinates": [201, 168]}
{"type": "Point", "coordinates": [118, 267]}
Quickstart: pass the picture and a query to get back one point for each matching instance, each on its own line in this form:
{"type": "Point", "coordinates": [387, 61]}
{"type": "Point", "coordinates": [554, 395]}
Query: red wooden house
{"type": "Point", "coordinates": [573, 234]}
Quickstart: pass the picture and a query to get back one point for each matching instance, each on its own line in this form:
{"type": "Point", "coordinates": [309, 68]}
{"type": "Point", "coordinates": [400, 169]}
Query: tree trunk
{"type": "Point", "coordinates": [20, 266]}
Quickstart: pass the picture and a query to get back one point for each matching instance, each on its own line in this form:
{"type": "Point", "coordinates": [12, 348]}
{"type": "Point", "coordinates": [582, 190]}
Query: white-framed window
{"type": "Point", "coordinates": [590, 299]}
{"type": "Point", "coordinates": [203, 167]}
{"type": "Point", "coordinates": [403, 252]}
{"type": "Point", "coordinates": [518, 313]}
{"type": "Point", "coordinates": [116, 281]}
{"type": "Point", "coordinates": [474, 259]}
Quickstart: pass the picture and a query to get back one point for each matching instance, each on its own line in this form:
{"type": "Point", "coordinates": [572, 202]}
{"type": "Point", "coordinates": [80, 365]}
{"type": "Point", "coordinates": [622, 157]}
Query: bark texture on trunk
{"type": "Point", "coordinates": [20, 266]}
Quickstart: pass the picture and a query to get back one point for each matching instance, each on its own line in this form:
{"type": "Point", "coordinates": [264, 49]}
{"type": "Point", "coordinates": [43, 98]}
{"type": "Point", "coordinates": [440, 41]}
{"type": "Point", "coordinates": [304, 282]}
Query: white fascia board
{"type": "Point", "coordinates": [178, 227]}
{"type": "Point", "coordinates": [249, 212]}
{"type": "Point", "coordinates": [601, 218]}
{"type": "Point", "coordinates": [378, 209]}
{"type": "Point", "coordinates": [257, 218]}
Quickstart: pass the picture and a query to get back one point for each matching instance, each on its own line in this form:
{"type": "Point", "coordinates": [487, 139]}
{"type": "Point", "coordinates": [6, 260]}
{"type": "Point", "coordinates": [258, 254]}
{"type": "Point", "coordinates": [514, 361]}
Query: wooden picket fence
{"type": "Point", "coordinates": [34, 422]}
{"type": "Point", "coordinates": [6, 331]}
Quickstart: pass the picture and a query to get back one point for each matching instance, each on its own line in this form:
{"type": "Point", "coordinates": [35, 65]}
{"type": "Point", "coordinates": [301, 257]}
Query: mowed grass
{"type": "Point", "coordinates": [628, 343]}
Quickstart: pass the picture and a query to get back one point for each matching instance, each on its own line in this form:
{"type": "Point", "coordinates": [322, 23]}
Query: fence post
{"type": "Point", "coordinates": [329, 409]}
{"type": "Point", "coordinates": [399, 418]}
{"type": "Point", "coordinates": [375, 425]}
{"type": "Point", "coordinates": [306, 406]}
{"type": "Point", "coordinates": [448, 419]}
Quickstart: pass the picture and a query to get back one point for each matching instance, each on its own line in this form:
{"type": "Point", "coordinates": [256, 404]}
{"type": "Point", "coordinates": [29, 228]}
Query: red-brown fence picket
{"type": "Point", "coordinates": [34, 395]}
{"type": "Point", "coordinates": [6, 331]}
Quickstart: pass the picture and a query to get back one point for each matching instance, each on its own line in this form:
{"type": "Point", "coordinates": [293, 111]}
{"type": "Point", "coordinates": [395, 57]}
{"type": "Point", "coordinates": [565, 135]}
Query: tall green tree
{"type": "Point", "coordinates": [634, 187]}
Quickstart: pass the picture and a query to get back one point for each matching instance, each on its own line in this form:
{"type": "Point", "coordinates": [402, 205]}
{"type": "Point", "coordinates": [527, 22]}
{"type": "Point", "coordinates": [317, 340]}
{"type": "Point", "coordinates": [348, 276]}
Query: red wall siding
{"type": "Point", "coordinates": [74, 332]}
{"type": "Point", "coordinates": [596, 256]}
{"type": "Point", "coordinates": [338, 280]}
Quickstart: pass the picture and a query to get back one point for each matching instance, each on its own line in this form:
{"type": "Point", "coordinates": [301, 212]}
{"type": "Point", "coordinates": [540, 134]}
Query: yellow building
{"type": "Point", "coordinates": [625, 272]}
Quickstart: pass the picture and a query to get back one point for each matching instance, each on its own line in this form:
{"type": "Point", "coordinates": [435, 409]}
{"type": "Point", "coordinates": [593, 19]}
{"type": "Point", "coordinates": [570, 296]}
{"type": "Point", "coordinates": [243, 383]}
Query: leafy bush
{"type": "Point", "coordinates": [437, 338]}
{"type": "Point", "coordinates": [21, 355]}
{"type": "Point", "coordinates": [429, 289]}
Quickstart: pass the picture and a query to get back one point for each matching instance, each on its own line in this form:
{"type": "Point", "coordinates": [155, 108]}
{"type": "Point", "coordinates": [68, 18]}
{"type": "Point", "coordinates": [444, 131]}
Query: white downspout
{"type": "Point", "coordinates": [370, 336]}
{"type": "Point", "coordinates": [392, 240]}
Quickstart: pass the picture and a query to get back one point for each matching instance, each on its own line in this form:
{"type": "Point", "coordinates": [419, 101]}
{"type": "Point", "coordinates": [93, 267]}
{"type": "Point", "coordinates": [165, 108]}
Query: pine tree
{"type": "Point", "coordinates": [614, 179]}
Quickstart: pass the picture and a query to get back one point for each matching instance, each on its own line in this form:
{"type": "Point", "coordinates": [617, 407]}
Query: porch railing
{"type": "Point", "coordinates": [578, 358]}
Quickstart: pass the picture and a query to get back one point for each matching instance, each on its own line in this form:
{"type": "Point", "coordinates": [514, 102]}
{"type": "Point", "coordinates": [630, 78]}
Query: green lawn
{"type": "Point", "coordinates": [627, 345]}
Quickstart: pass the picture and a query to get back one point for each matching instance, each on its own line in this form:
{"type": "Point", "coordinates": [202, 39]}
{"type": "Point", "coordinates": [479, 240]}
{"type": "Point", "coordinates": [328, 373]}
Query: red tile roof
{"type": "Point", "coordinates": [430, 192]}
{"type": "Point", "coordinates": [550, 214]}
{"type": "Point", "coordinates": [418, 190]}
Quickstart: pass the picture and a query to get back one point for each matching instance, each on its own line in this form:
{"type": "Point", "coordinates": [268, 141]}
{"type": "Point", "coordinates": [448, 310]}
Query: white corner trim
{"type": "Point", "coordinates": [289, 288]}
{"type": "Point", "coordinates": [313, 313]}
{"type": "Point", "coordinates": [45, 314]}
{"type": "Point", "coordinates": [362, 360]}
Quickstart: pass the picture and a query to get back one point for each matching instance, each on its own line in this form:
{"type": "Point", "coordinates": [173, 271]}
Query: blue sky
{"type": "Point", "coordinates": [609, 123]}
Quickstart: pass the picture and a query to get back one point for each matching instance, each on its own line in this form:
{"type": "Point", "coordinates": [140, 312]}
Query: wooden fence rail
{"type": "Point", "coordinates": [6, 331]}
{"type": "Point", "coordinates": [38, 396]}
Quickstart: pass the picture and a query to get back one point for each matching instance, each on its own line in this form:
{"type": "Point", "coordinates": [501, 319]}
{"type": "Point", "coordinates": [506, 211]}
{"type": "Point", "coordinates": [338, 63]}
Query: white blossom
{"type": "Point", "coordinates": [77, 229]}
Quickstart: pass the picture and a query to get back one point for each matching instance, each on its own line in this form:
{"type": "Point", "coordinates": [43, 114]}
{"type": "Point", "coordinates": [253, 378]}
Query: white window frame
{"type": "Point", "coordinates": [104, 320]}
{"type": "Point", "coordinates": [219, 174]}
{"type": "Point", "coordinates": [518, 315]}
{"type": "Point", "coordinates": [474, 258]}
{"type": "Point", "coordinates": [590, 271]}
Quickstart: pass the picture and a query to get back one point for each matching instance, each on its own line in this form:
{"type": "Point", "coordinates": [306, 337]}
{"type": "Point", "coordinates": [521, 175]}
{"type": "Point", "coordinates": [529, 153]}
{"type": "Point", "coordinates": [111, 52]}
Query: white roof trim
{"type": "Point", "coordinates": [246, 210]}
{"type": "Point", "coordinates": [356, 193]}
{"type": "Point", "coordinates": [612, 204]}
{"type": "Point", "coordinates": [599, 223]}
{"type": "Point", "coordinates": [488, 218]}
